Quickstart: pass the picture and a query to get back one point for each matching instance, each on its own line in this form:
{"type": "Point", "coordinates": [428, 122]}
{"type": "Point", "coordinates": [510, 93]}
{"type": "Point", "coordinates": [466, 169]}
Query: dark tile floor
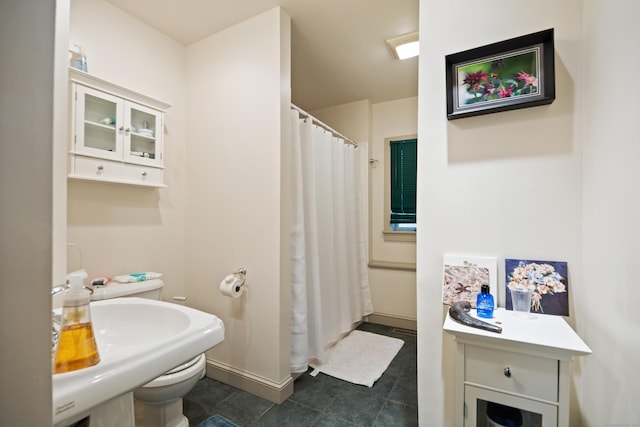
{"type": "Point", "coordinates": [321, 401]}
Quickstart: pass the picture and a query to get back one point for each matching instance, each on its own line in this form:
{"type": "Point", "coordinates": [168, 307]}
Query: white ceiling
{"type": "Point", "coordinates": [338, 46]}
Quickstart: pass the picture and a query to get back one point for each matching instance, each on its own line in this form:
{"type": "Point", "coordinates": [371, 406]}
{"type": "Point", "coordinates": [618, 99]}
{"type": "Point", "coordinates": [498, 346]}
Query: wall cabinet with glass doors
{"type": "Point", "coordinates": [116, 133]}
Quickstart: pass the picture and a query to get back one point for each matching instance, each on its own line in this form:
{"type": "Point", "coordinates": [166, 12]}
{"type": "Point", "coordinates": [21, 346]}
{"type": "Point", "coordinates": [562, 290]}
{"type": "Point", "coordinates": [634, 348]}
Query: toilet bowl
{"type": "Point", "coordinates": [159, 402]}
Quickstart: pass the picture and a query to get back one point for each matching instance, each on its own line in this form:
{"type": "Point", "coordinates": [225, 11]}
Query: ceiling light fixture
{"type": "Point", "coordinates": [406, 46]}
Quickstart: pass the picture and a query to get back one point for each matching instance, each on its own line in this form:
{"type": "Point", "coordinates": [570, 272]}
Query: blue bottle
{"type": "Point", "coordinates": [484, 303]}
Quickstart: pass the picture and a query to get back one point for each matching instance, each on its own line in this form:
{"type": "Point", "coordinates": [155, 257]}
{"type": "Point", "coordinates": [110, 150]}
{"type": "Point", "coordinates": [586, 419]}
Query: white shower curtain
{"type": "Point", "coordinates": [330, 286]}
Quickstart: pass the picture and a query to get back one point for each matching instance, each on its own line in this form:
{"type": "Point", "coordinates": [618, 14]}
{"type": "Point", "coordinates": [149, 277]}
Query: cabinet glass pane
{"type": "Point", "coordinates": [99, 123]}
{"type": "Point", "coordinates": [532, 413]}
{"type": "Point", "coordinates": [143, 134]}
{"type": "Point", "coordinates": [492, 414]}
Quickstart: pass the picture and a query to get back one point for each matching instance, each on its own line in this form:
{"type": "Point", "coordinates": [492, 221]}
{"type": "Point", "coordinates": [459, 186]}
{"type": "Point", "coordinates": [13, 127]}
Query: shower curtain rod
{"type": "Point", "coordinates": [323, 125]}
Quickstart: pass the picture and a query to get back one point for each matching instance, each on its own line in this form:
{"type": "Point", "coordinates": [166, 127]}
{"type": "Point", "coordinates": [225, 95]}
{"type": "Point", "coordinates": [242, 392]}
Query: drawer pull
{"type": "Point", "coordinates": [144, 174]}
{"type": "Point", "coordinates": [100, 167]}
{"type": "Point", "coordinates": [507, 372]}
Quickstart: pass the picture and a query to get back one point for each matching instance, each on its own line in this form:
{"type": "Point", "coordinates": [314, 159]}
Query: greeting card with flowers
{"type": "Point", "coordinates": [548, 280]}
{"type": "Point", "coordinates": [464, 275]}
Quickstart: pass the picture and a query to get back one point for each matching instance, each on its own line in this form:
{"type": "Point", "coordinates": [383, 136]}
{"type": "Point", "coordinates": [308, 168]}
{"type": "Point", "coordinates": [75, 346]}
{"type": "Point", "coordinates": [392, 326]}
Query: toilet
{"type": "Point", "coordinates": [159, 402]}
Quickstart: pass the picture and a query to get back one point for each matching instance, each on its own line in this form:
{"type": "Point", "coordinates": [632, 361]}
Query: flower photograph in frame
{"type": "Point", "coordinates": [464, 275]}
{"type": "Point", "coordinates": [548, 280]}
{"type": "Point", "coordinates": [512, 74]}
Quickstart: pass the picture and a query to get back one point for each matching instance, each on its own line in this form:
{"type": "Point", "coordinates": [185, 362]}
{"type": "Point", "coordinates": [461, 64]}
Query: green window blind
{"type": "Point", "coordinates": [404, 164]}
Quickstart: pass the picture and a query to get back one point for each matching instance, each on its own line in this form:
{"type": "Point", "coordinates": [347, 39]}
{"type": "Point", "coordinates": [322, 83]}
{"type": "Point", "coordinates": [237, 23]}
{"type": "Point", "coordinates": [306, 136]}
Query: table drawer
{"type": "Point", "coordinates": [528, 375]}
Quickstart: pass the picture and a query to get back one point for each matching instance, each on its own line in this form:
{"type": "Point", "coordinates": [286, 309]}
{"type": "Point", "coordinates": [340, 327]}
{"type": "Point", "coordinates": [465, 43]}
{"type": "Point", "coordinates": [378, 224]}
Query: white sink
{"type": "Point", "coordinates": [138, 340]}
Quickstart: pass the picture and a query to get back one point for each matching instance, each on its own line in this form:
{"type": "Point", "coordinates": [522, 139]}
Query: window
{"type": "Point", "coordinates": [400, 188]}
{"type": "Point", "coordinates": [403, 158]}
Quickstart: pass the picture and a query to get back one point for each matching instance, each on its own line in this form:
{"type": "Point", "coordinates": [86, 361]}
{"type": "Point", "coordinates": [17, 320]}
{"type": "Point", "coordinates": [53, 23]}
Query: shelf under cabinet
{"type": "Point", "coordinates": [97, 169]}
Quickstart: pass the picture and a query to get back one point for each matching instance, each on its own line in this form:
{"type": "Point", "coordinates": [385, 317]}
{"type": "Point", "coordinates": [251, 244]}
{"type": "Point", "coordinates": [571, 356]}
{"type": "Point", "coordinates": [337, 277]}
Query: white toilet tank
{"type": "Point", "coordinates": [150, 289]}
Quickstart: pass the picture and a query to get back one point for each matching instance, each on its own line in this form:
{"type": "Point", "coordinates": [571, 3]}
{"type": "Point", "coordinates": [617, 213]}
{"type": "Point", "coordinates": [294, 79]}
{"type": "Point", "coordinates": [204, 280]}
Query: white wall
{"type": "Point", "coordinates": [238, 193]}
{"type": "Point", "coordinates": [353, 120]}
{"type": "Point", "coordinates": [608, 317]}
{"type": "Point", "coordinates": [393, 290]}
{"type": "Point", "coordinates": [506, 184]}
{"type": "Point", "coordinates": [391, 119]}
{"type": "Point", "coordinates": [123, 229]}
{"type": "Point", "coordinates": [223, 207]}
{"type": "Point", "coordinates": [226, 202]}
{"type": "Point", "coordinates": [27, 207]}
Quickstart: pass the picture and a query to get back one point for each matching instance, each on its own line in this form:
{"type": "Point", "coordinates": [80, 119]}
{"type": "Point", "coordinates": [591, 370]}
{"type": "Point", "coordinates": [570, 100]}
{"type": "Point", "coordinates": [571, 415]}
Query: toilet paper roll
{"type": "Point", "coordinates": [231, 286]}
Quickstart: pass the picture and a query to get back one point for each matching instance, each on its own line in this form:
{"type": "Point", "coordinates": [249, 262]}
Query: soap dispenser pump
{"type": "Point", "coordinates": [77, 346]}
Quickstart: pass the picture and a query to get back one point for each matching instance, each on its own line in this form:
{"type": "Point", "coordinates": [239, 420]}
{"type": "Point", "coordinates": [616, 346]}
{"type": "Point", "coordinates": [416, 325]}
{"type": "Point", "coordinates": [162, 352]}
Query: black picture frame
{"type": "Point", "coordinates": [507, 75]}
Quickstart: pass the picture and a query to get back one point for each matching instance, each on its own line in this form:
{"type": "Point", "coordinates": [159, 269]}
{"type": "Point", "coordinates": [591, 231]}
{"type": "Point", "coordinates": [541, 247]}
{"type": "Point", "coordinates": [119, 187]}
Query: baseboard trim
{"type": "Point", "coordinates": [261, 387]}
{"type": "Point", "coordinates": [393, 321]}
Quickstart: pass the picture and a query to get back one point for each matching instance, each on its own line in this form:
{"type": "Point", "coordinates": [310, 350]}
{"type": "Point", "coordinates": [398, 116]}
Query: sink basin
{"type": "Point", "coordinates": [119, 324]}
{"type": "Point", "coordinates": [138, 340]}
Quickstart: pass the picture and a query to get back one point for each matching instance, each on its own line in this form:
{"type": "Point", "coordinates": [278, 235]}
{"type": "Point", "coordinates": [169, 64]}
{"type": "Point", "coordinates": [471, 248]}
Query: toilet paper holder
{"type": "Point", "coordinates": [240, 274]}
{"type": "Point", "coordinates": [233, 284]}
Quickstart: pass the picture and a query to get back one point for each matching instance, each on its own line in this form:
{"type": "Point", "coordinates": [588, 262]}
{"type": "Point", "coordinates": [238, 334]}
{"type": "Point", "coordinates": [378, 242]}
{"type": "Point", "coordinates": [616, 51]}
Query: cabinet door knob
{"type": "Point", "coordinates": [127, 130]}
{"type": "Point", "coordinates": [100, 167]}
{"type": "Point", "coordinates": [121, 128]}
{"type": "Point", "coordinates": [507, 372]}
{"type": "Point", "coordinates": [144, 174]}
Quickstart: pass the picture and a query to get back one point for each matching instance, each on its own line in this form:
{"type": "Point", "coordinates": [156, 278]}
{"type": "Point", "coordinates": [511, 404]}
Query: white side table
{"type": "Point", "coordinates": [527, 367]}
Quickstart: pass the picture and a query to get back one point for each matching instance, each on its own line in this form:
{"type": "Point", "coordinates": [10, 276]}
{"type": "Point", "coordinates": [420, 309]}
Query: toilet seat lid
{"type": "Point", "coordinates": [184, 366]}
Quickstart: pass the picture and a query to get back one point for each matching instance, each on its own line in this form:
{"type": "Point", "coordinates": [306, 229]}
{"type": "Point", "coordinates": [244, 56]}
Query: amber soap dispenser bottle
{"type": "Point", "coordinates": [77, 346]}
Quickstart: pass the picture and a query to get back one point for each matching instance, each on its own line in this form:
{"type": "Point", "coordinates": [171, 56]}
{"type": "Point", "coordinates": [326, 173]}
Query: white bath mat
{"type": "Point", "coordinates": [360, 357]}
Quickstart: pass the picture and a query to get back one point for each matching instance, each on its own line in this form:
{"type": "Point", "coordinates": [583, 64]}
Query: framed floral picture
{"type": "Point", "coordinates": [547, 279]}
{"type": "Point", "coordinates": [464, 275]}
{"type": "Point", "coordinates": [511, 74]}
